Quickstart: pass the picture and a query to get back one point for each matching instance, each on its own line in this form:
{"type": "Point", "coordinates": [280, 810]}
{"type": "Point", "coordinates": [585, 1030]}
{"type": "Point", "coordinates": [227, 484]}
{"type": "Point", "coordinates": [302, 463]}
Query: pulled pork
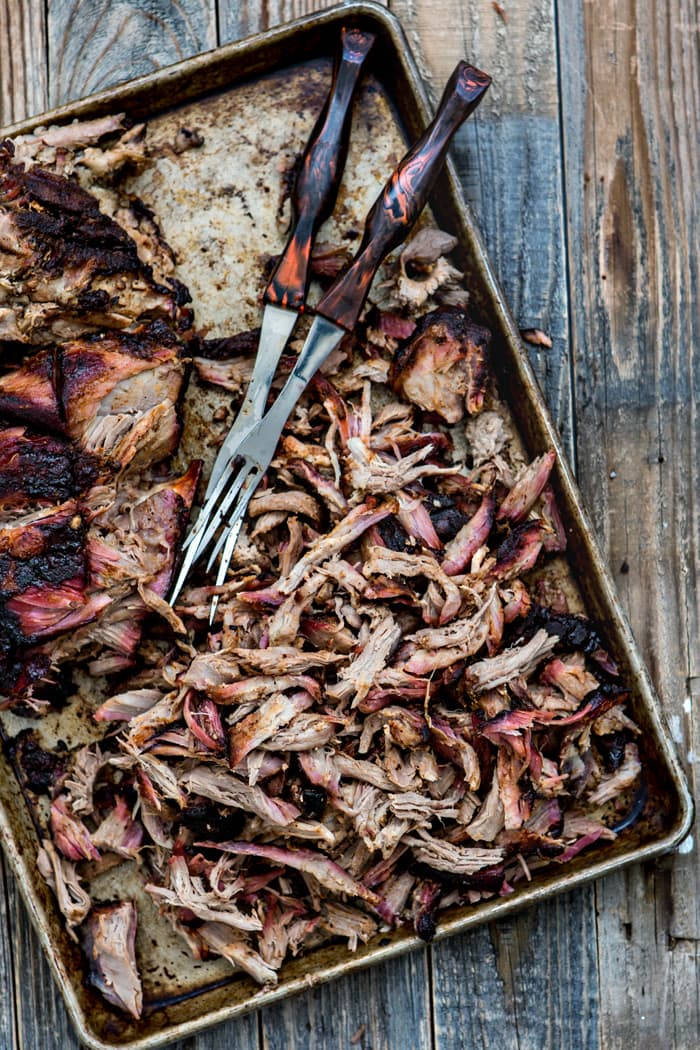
{"type": "Point", "coordinates": [388, 716]}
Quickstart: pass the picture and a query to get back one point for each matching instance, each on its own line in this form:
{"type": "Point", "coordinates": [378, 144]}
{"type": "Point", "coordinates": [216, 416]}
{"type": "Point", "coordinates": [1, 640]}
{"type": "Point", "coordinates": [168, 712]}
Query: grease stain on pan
{"type": "Point", "coordinates": [224, 207]}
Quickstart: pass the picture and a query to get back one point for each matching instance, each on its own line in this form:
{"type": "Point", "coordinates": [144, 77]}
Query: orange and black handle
{"type": "Point", "coordinates": [320, 172]}
{"type": "Point", "coordinates": [404, 197]}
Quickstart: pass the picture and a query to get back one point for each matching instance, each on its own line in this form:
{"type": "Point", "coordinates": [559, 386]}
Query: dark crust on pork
{"type": "Point", "coordinates": [38, 769]}
{"type": "Point", "coordinates": [41, 468]}
{"type": "Point", "coordinates": [27, 672]}
{"type": "Point", "coordinates": [443, 367]}
{"type": "Point", "coordinates": [42, 556]}
{"type": "Point", "coordinates": [51, 554]}
{"type": "Point", "coordinates": [244, 343]}
{"type": "Point", "coordinates": [29, 393]}
{"type": "Point", "coordinates": [63, 222]}
{"type": "Point", "coordinates": [575, 632]}
{"type": "Point", "coordinates": [457, 324]}
{"type": "Point", "coordinates": [62, 246]}
{"type": "Point", "coordinates": [144, 342]}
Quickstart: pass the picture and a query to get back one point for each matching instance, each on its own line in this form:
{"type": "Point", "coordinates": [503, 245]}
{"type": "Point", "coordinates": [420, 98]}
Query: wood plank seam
{"type": "Point", "coordinates": [430, 969]}
{"type": "Point", "coordinates": [5, 878]}
{"type": "Point", "coordinates": [573, 426]}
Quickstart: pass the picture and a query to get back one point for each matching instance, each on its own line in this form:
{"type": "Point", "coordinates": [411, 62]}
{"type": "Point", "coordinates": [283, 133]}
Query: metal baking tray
{"type": "Point", "coordinates": [219, 206]}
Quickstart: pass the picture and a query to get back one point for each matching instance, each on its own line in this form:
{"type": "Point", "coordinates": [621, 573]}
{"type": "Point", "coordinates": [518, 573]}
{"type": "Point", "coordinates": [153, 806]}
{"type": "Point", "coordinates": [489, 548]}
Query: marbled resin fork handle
{"type": "Point", "coordinates": [404, 197]}
{"type": "Point", "coordinates": [317, 182]}
{"type": "Point", "coordinates": [313, 199]}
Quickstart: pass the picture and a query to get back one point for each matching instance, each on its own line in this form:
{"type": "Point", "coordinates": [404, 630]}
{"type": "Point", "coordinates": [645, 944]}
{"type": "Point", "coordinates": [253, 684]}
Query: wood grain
{"type": "Point", "coordinates": [630, 95]}
{"type": "Point", "coordinates": [384, 1008]}
{"type": "Point", "coordinates": [95, 43]}
{"type": "Point", "coordinates": [523, 984]}
{"type": "Point", "coordinates": [8, 1018]}
{"type": "Point", "coordinates": [22, 60]}
{"type": "Point", "coordinates": [235, 1035]}
{"type": "Point", "coordinates": [41, 1017]}
{"type": "Point", "coordinates": [241, 18]}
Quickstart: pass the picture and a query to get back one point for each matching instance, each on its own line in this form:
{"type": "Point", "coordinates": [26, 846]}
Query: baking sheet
{"type": "Point", "coordinates": [223, 208]}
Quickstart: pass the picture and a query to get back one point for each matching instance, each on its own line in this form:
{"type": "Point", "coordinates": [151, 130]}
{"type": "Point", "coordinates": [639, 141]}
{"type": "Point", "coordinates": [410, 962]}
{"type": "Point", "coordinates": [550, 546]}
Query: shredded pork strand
{"type": "Point", "coordinates": [443, 856]}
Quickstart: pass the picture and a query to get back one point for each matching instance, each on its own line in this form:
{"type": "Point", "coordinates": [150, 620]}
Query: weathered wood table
{"type": "Point", "coordinates": [583, 168]}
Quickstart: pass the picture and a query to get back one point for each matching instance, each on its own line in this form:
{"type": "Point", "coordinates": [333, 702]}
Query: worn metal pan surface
{"type": "Point", "coordinates": [254, 103]}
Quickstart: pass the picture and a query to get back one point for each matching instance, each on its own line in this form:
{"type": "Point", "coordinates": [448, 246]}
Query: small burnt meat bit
{"type": "Point", "coordinates": [39, 469]}
{"type": "Point", "coordinates": [392, 533]}
{"type": "Point", "coordinates": [223, 349]}
{"type": "Point", "coordinates": [577, 632]}
{"type": "Point", "coordinates": [426, 900]}
{"type": "Point", "coordinates": [612, 749]}
{"type": "Point", "coordinates": [443, 367]}
{"type": "Point", "coordinates": [446, 517]}
{"type": "Point", "coordinates": [39, 769]}
{"type": "Point", "coordinates": [519, 551]}
{"type": "Point", "coordinates": [204, 819]}
{"type": "Point", "coordinates": [314, 800]}
{"type": "Point", "coordinates": [29, 682]}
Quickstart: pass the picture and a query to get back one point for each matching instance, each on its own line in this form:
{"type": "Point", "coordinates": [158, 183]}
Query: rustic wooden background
{"type": "Point", "coordinates": [583, 167]}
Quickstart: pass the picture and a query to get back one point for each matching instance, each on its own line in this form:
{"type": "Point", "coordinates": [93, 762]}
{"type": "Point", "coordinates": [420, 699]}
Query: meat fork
{"type": "Point", "coordinates": [313, 199]}
{"type": "Point", "coordinates": [388, 223]}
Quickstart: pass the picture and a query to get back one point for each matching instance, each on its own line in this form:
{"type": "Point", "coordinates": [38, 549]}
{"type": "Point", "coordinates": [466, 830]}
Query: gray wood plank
{"type": "Point", "coordinates": [240, 18]}
{"type": "Point", "coordinates": [386, 1007]}
{"type": "Point", "coordinates": [630, 97]}
{"type": "Point", "coordinates": [95, 43]}
{"type": "Point", "coordinates": [242, 1034]}
{"type": "Point", "coordinates": [42, 1020]}
{"type": "Point", "coordinates": [521, 984]}
{"type": "Point", "coordinates": [22, 59]}
{"type": "Point", "coordinates": [8, 1020]}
